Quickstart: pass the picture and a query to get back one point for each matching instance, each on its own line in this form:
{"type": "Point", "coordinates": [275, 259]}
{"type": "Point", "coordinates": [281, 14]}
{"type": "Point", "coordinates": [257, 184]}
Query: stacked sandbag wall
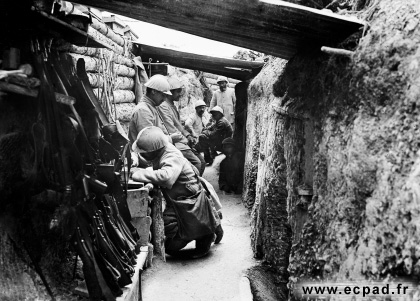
{"type": "Point", "coordinates": [111, 72]}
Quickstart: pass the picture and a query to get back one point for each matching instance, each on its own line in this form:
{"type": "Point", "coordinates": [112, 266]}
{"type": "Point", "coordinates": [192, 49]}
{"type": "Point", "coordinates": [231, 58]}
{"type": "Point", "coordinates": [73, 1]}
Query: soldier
{"type": "Point", "coordinates": [231, 168]}
{"type": "Point", "coordinates": [146, 113]}
{"type": "Point", "coordinates": [212, 136]}
{"type": "Point", "coordinates": [197, 121]}
{"type": "Point", "coordinates": [171, 120]}
{"type": "Point", "coordinates": [224, 98]}
{"type": "Point", "coordinates": [178, 180]}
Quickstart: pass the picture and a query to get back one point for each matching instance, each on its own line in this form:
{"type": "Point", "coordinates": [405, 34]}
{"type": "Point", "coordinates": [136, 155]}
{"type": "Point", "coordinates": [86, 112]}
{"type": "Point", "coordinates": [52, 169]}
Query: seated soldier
{"type": "Point", "coordinates": [231, 168]}
{"type": "Point", "coordinates": [198, 120]}
{"type": "Point", "coordinates": [171, 120]}
{"type": "Point", "coordinates": [178, 179]}
{"type": "Point", "coordinates": [212, 136]}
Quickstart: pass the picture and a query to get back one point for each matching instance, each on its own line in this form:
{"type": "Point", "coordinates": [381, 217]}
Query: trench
{"type": "Point", "coordinates": [313, 164]}
{"type": "Point", "coordinates": [216, 276]}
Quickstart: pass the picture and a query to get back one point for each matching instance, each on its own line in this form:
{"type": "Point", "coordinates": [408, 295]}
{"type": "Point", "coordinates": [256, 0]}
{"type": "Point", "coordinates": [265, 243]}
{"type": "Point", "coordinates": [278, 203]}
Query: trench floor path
{"type": "Point", "coordinates": [214, 277]}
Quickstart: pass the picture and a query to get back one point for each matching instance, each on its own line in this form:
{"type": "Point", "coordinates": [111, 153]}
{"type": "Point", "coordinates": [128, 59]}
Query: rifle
{"type": "Point", "coordinates": [51, 114]}
{"type": "Point", "coordinates": [88, 92]}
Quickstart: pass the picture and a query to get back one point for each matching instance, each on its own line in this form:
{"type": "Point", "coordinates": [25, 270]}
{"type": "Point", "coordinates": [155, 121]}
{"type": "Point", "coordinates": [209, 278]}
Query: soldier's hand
{"type": "Point", "coordinates": [176, 137]}
{"type": "Point", "coordinates": [134, 160]}
{"type": "Point", "coordinates": [191, 140]}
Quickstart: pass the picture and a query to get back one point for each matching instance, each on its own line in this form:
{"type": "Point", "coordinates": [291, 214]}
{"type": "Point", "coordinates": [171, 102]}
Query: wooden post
{"type": "Point", "coordinates": [158, 229]}
{"type": "Point", "coordinates": [337, 51]}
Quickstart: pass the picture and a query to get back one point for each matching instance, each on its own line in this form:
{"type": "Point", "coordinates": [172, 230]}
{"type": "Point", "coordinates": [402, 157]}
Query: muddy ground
{"type": "Point", "coordinates": [215, 277]}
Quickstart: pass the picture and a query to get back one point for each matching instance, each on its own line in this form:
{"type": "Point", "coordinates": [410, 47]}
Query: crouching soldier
{"type": "Point", "coordinates": [231, 168]}
{"type": "Point", "coordinates": [212, 136]}
{"type": "Point", "coordinates": [179, 180]}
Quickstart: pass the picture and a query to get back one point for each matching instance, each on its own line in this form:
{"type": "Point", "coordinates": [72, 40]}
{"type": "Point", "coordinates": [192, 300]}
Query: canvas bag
{"type": "Point", "coordinates": [196, 215]}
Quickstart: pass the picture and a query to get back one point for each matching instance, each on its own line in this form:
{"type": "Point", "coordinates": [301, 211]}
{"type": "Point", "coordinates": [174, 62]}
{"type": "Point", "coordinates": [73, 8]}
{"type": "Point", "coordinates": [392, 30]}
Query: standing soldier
{"type": "Point", "coordinates": [224, 98]}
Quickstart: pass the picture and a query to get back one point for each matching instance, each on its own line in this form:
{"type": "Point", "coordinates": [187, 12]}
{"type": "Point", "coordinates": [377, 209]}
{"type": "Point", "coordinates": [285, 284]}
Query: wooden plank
{"type": "Point", "coordinates": [142, 225]}
{"type": "Point", "coordinates": [138, 202]}
{"type": "Point", "coordinates": [272, 27]}
{"type": "Point", "coordinates": [132, 292]}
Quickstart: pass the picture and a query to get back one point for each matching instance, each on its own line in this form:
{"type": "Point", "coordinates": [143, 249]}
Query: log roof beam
{"type": "Point", "coordinates": [273, 27]}
{"type": "Point", "coordinates": [238, 69]}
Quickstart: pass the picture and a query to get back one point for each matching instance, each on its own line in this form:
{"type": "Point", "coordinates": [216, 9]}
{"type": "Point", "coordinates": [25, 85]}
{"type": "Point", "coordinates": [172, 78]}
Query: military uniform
{"type": "Point", "coordinates": [170, 116]}
{"type": "Point", "coordinates": [211, 138]}
{"type": "Point", "coordinates": [231, 173]}
{"type": "Point", "coordinates": [177, 177]}
{"type": "Point", "coordinates": [145, 114]}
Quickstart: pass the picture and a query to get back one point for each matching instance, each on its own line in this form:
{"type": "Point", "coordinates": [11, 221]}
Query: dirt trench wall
{"type": "Point", "coordinates": [265, 189]}
{"type": "Point", "coordinates": [356, 145]}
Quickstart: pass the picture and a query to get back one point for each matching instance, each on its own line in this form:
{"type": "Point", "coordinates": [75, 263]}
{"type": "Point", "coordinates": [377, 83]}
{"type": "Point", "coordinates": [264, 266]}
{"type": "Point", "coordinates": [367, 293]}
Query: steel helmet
{"type": "Point", "coordinates": [217, 109]}
{"type": "Point", "coordinates": [150, 139]}
{"type": "Point", "coordinates": [200, 103]}
{"type": "Point", "coordinates": [174, 83]}
{"type": "Point", "coordinates": [160, 83]}
{"type": "Point", "coordinates": [222, 79]}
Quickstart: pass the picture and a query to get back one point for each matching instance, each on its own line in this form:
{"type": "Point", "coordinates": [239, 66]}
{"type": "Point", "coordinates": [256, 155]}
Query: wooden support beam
{"type": "Point", "coordinates": [272, 27]}
{"type": "Point", "coordinates": [207, 59]}
{"type": "Point", "coordinates": [214, 76]}
{"type": "Point", "coordinates": [237, 69]}
{"type": "Point", "coordinates": [212, 81]}
{"type": "Point", "coordinates": [337, 51]}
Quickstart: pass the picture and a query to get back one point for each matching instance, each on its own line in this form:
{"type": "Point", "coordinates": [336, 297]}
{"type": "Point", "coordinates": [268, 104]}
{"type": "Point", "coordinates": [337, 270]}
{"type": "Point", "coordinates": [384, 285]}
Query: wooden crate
{"type": "Point", "coordinates": [138, 201]}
